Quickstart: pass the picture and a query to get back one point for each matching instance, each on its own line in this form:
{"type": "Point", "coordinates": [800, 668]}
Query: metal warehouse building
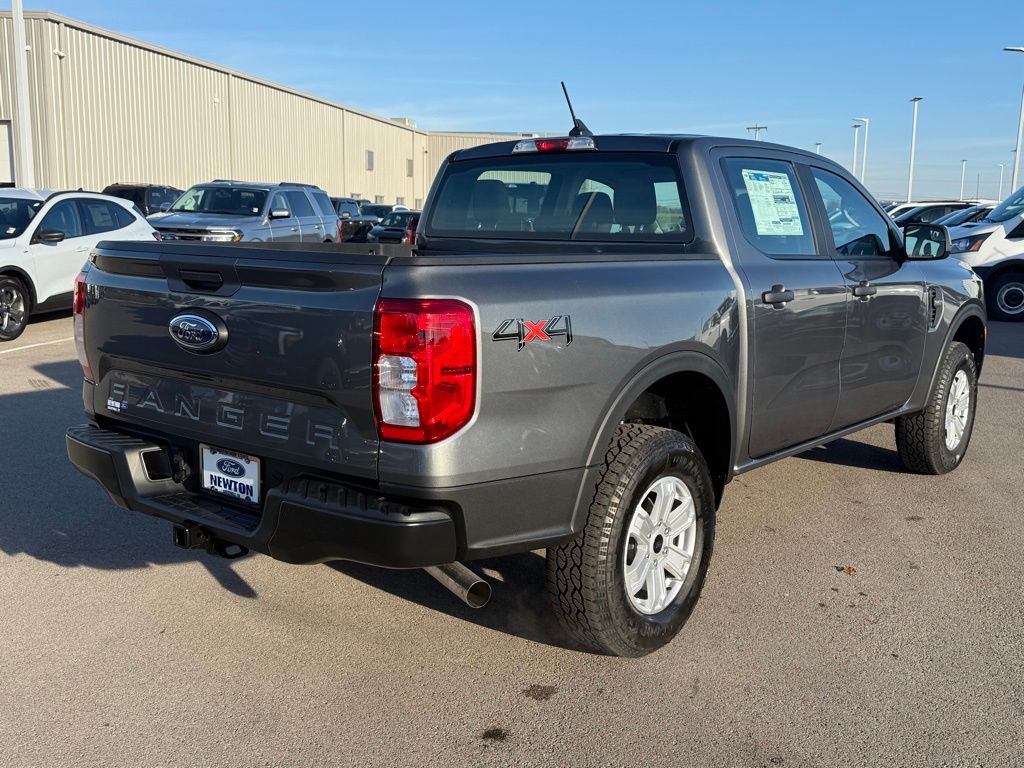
{"type": "Point", "coordinates": [105, 108]}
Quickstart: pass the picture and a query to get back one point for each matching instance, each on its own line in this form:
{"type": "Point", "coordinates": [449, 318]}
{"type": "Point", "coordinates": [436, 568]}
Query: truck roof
{"type": "Point", "coordinates": [637, 142]}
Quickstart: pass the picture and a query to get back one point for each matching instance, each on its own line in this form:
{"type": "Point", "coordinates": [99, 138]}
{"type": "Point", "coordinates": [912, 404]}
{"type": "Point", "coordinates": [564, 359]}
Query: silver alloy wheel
{"type": "Point", "coordinates": [12, 308]}
{"type": "Point", "coordinates": [958, 408]}
{"type": "Point", "coordinates": [1010, 298]}
{"type": "Point", "coordinates": [659, 546]}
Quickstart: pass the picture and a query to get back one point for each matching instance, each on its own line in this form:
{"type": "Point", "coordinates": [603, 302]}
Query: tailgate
{"type": "Point", "coordinates": [293, 379]}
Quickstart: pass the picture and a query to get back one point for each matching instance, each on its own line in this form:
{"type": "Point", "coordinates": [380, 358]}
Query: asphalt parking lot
{"type": "Point", "coordinates": [854, 616]}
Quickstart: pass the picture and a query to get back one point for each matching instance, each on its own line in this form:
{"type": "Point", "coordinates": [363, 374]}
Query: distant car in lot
{"type": "Point", "coordinates": [230, 211]}
{"type": "Point", "coordinates": [150, 198]}
{"type": "Point", "coordinates": [928, 213]}
{"type": "Point", "coordinates": [966, 216]}
{"type": "Point", "coordinates": [393, 228]}
{"type": "Point", "coordinates": [353, 222]}
{"type": "Point", "coordinates": [994, 247]}
{"type": "Point", "coordinates": [377, 210]}
{"type": "Point", "coordinates": [45, 238]}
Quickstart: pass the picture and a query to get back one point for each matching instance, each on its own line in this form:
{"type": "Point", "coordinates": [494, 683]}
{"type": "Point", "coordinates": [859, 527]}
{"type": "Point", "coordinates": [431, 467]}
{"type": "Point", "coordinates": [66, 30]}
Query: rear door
{"type": "Point", "coordinates": [311, 227]}
{"type": "Point", "coordinates": [285, 229]}
{"type": "Point", "coordinates": [796, 300]}
{"type": "Point", "coordinates": [888, 318]}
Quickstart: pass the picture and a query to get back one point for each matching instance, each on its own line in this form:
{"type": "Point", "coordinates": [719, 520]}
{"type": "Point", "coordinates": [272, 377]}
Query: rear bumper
{"type": "Point", "coordinates": [305, 520]}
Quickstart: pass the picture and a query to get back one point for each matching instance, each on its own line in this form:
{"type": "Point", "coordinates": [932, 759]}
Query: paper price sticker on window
{"type": "Point", "coordinates": [773, 203]}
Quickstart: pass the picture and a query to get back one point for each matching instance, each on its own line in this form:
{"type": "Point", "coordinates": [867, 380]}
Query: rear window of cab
{"type": "Point", "coordinates": [583, 196]}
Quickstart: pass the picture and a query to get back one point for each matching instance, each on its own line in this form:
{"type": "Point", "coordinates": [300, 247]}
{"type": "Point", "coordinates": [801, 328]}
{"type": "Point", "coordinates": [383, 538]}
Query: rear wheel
{"type": "Point", "coordinates": [629, 581]}
{"type": "Point", "coordinates": [14, 308]}
{"type": "Point", "coordinates": [1006, 297]}
{"type": "Point", "coordinates": [935, 440]}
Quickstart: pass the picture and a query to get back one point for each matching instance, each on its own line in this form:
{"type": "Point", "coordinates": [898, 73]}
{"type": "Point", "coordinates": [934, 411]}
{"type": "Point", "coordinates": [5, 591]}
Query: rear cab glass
{"type": "Point", "coordinates": [571, 196]}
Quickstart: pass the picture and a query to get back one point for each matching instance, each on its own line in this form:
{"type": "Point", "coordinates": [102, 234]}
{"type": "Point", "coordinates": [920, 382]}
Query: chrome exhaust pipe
{"type": "Point", "coordinates": [471, 589]}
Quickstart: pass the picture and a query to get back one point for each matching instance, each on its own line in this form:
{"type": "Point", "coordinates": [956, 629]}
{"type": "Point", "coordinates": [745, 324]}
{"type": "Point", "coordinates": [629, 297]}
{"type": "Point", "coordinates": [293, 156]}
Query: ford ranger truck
{"type": "Point", "coordinates": [591, 336]}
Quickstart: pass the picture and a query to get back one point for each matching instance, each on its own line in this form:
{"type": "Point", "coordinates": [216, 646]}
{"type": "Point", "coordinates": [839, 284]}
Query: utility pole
{"type": "Point", "coordinates": [913, 148]}
{"type": "Point", "coordinates": [26, 166]}
{"type": "Point", "coordinates": [977, 188]}
{"type": "Point", "coordinates": [963, 174]}
{"type": "Point", "coordinates": [864, 154]}
{"type": "Point", "coordinates": [757, 130]}
{"type": "Point", "coordinates": [817, 147]}
{"type": "Point", "coordinates": [1020, 130]}
{"type": "Point", "coordinates": [856, 132]}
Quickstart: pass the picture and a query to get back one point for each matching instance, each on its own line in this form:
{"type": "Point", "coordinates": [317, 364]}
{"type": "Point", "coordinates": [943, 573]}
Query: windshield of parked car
{"type": "Point", "coordinates": [380, 211]}
{"type": "Point", "coordinates": [15, 215]}
{"type": "Point", "coordinates": [959, 217]}
{"type": "Point", "coordinates": [397, 219]}
{"type": "Point", "coordinates": [1010, 207]}
{"type": "Point", "coordinates": [609, 196]}
{"type": "Point", "coordinates": [229, 201]}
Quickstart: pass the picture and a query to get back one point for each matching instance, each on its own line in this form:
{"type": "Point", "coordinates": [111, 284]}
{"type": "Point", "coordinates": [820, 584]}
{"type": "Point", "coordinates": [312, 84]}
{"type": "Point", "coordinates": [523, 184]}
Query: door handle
{"type": "Point", "coordinates": [778, 296]}
{"type": "Point", "coordinates": [295, 229]}
{"type": "Point", "coordinates": [864, 291]}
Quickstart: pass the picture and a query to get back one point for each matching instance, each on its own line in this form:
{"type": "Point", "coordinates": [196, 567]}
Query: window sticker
{"type": "Point", "coordinates": [773, 203]}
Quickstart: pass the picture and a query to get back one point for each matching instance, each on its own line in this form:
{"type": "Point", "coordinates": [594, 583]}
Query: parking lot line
{"type": "Point", "coordinates": [33, 346]}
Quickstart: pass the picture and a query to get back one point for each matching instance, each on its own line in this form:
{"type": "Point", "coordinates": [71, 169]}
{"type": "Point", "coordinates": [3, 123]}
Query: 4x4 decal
{"type": "Point", "coordinates": [524, 331]}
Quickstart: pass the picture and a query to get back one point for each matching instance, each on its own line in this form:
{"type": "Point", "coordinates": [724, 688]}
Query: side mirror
{"type": "Point", "coordinates": [165, 207]}
{"type": "Point", "coordinates": [49, 236]}
{"type": "Point", "coordinates": [346, 215]}
{"type": "Point", "coordinates": [926, 242]}
{"type": "Point", "coordinates": [280, 213]}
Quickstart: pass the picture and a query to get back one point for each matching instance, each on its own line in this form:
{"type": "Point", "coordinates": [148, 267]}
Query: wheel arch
{"type": "Point", "coordinates": [651, 395]}
{"type": "Point", "coordinates": [22, 275]}
{"type": "Point", "coordinates": [968, 326]}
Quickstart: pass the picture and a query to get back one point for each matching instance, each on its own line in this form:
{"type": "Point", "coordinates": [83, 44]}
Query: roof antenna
{"type": "Point", "coordinates": [578, 126]}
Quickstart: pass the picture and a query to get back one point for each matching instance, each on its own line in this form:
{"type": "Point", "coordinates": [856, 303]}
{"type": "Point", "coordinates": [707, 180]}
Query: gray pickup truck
{"type": "Point", "coordinates": [590, 338]}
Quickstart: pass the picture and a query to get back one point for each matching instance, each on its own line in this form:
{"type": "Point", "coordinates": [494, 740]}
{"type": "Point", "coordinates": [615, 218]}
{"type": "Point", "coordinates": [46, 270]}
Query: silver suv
{"type": "Point", "coordinates": [228, 211]}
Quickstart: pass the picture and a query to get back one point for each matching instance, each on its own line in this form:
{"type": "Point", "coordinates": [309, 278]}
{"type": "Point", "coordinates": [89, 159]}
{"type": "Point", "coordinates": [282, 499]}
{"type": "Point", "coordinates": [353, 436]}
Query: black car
{"type": "Point", "coordinates": [354, 223]}
{"type": "Point", "coordinates": [148, 198]}
{"type": "Point", "coordinates": [393, 227]}
{"type": "Point", "coordinates": [929, 213]}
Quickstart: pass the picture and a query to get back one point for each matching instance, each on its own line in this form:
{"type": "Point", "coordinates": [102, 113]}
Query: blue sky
{"type": "Point", "coordinates": [803, 69]}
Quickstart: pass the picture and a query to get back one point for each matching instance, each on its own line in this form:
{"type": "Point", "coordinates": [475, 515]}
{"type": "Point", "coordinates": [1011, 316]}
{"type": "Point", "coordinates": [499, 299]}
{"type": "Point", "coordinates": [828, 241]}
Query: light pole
{"type": "Point", "coordinates": [856, 132]}
{"type": "Point", "coordinates": [1020, 129]}
{"type": "Point", "coordinates": [913, 148]}
{"type": "Point", "coordinates": [26, 173]}
{"type": "Point", "coordinates": [757, 130]}
{"type": "Point", "coordinates": [963, 174]}
{"type": "Point", "coordinates": [1001, 167]}
{"type": "Point", "coordinates": [817, 147]}
{"type": "Point", "coordinates": [864, 153]}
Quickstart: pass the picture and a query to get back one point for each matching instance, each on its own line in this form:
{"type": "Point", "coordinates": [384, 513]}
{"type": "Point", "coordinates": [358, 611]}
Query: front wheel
{"type": "Point", "coordinates": [1005, 297]}
{"type": "Point", "coordinates": [934, 441]}
{"type": "Point", "coordinates": [629, 581]}
{"type": "Point", "coordinates": [14, 308]}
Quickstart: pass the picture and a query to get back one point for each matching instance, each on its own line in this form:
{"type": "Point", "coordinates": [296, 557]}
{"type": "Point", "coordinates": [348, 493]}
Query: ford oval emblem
{"type": "Point", "coordinates": [230, 467]}
{"type": "Point", "coordinates": [197, 334]}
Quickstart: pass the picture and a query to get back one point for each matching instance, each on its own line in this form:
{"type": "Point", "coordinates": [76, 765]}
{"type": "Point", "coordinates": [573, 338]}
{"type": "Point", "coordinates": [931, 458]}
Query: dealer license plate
{"type": "Point", "coordinates": [230, 474]}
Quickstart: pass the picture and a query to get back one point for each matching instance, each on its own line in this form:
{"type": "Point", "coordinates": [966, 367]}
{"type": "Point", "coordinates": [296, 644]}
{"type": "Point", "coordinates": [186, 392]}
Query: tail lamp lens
{"type": "Point", "coordinates": [424, 368]}
{"type": "Point", "coordinates": [78, 307]}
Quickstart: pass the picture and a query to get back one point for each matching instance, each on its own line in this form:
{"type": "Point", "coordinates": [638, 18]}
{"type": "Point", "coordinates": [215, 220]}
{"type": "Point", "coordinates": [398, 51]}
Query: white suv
{"type": "Point", "coordinates": [45, 238]}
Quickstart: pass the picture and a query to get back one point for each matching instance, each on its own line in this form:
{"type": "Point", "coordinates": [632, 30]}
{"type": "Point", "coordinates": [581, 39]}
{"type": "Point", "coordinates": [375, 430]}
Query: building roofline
{"type": "Point", "coordinates": [58, 18]}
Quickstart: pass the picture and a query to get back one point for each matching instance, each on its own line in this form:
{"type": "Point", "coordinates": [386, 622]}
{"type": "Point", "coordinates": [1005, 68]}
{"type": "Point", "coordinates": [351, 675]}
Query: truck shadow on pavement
{"type": "Point", "coordinates": [52, 513]}
{"type": "Point", "coordinates": [852, 453]}
{"type": "Point", "coordinates": [518, 605]}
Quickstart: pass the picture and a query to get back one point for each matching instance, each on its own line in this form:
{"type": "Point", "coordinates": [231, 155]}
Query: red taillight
{"type": "Point", "coordinates": [552, 145]}
{"type": "Point", "coordinates": [340, 232]}
{"type": "Point", "coordinates": [424, 374]}
{"type": "Point", "coordinates": [409, 238]}
{"type": "Point", "coordinates": [78, 307]}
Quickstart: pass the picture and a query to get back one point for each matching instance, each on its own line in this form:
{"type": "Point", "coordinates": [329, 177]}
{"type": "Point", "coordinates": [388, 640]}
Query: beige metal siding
{"type": "Point", "coordinates": [106, 108]}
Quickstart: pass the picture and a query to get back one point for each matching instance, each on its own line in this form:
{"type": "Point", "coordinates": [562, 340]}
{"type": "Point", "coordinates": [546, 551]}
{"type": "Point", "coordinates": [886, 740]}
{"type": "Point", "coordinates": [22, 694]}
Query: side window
{"type": "Point", "coordinates": [770, 207]}
{"type": "Point", "coordinates": [325, 205]}
{"type": "Point", "coordinates": [101, 216]}
{"type": "Point", "coordinates": [64, 217]}
{"type": "Point", "coordinates": [857, 228]}
{"type": "Point", "coordinates": [299, 203]}
{"type": "Point", "coordinates": [123, 217]}
{"type": "Point", "coordinates": [280, 203]}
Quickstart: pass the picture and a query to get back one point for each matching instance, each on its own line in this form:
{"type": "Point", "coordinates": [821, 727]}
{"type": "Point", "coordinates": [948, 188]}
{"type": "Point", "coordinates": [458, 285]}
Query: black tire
{"type": "Point", "coordinates": [586, 582]}
{"type": "Point", "coordinates": [1004, 297]}
{"type": "Point", "coordinates": [14, 308]}
{"type": "Point", "coordinates": [921, 437]}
